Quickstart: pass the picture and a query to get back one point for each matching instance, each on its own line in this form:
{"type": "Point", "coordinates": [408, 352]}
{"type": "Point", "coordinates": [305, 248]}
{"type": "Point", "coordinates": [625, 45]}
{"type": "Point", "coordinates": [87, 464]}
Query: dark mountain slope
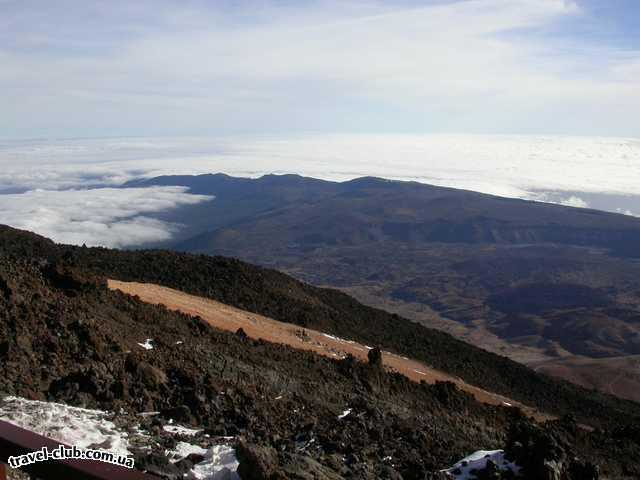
{"type": "Point", "coordinates": [282, 188]}
{"type": "Point", "coordinates": [276, 295]}
{"type": "Point", "coordinates": [65, 337]}
{"type": "Point", "coordinates": [236, 199]}
{"type": "Point", "coordinates": [315, 213]}
{"type": "Point", "coordinates": [456, 260]}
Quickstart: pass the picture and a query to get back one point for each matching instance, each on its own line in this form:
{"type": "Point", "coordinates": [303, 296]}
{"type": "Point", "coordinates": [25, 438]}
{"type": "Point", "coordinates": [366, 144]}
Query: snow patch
{"type": "Point", "coordinates": [70, 425]}
{"type": "Point", "coordinates": [183, 450]}
{"type": "Point", "coordinates": [332, 337]}
{"type": "Point", "coordinates": [95, 429]}
{"type": "Point", "coordinates": [338, 339]}
{"type": "Point", "coordinates": [478, 461]}
{"type": "Point", "coordinates": [147, 344]}
{"type": "Point", "coordinates": [149, 414]}
{"type": "Point", "coordinates": [179, 430]}
{"type": "Point", "coordinates": [345, 413]}
{"type": "Point", "coordinates": [219, 463]}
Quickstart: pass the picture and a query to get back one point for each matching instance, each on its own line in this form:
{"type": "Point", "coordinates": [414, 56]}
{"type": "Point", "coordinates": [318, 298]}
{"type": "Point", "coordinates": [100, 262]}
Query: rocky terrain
{"type": "Point", "coordinates": [256, 326]}
{"type": "Point", "coordinates": [66, 337]}
{"type": "Point", "coordinates": [554, 287]}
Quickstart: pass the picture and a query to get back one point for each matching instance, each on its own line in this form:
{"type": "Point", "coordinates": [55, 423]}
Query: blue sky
{"type": "Point", "coordinates": [615, 22]}
{"type": "Point", "coordinates": [157, 67]}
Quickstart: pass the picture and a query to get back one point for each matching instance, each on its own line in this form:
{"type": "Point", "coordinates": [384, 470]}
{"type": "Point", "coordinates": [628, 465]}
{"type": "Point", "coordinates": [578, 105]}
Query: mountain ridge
{"type": "Point", "coordinates": [450, 259]}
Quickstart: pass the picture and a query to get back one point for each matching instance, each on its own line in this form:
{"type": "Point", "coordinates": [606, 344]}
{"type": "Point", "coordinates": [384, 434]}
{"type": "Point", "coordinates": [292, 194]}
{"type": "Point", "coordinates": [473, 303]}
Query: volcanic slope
{"type": "Point", "coordinates": [257, 327]}
{"type": "Point", "coordinates": [454, 260]}
{"type": "Point", "coordinates": [65, 336]}
{"type": "Point", "coordinates": [278, 296]}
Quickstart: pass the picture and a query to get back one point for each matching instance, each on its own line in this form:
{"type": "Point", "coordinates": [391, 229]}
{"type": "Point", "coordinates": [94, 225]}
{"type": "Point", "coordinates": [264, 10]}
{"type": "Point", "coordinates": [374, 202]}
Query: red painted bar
{"type": "Point", "coordinates": [18, 441]}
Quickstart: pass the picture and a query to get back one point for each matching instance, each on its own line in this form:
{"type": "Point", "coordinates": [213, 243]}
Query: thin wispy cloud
{"type": "Point", "coordinates": [498, 66]}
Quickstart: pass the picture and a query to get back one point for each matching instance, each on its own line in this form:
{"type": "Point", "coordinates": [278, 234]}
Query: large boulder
{"type": "Point", "coordinates": [257, 462]}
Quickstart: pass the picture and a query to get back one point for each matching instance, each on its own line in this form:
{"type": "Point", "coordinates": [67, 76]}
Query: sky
{"type": "Point", "coordinates": [533, 99]}
{"type": "Point", "coordinates": [96, 68]}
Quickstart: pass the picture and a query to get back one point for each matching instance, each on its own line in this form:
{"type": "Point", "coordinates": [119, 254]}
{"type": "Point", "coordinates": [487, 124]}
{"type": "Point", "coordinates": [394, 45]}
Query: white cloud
{"type": "Point", "coordinates": [574, 201]}
{"type": "Point", "coordinates": [627, 212]}
{"type": "Point", "coordinates": [107, 216]}
{"type": "Point", "coordinates": [566, 170]}
{"type": "Point", "coordinates": [513, 166]}
{"type": "Point", "coordinates": [476, 66]}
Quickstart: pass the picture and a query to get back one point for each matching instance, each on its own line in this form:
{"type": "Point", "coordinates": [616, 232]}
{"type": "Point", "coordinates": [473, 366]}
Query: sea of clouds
{"type": "Point", "coordinates": [103, 216]}
{"type": "Point", "coordinates": [66, 189]}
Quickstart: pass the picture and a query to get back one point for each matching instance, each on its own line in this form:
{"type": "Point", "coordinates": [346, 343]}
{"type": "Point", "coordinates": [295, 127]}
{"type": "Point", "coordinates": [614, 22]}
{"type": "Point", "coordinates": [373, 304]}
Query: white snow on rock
{"type": "Point", "coordinates": [149, 414]}
{"type": "Point", "coordinates": [182, 450]}
{"type": "Point", "coordinates": [179, 430]}
{"type": "Point", "coordinates": [333, 337]}
{"type": "Point", "coordinates": [71, 425]}
{"type": "Point", "coordinates": [345, 413]}
{"type": "Point", "coordinates": [338, 339]}
{"type": "Point", "coordinates": [95, 429]}
{"type": "Point", "coordinates": [478, 461]}
{"type": "Point", "coordinates": [147, 344]}
{"type": "Point", "coordinates": [219, 463]}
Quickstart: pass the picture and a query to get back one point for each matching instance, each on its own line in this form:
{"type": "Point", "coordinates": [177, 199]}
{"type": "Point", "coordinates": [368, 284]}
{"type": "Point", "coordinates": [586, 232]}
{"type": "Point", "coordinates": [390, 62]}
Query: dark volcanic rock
{"type": "Point", "coordinates": [256, 462]}
{"type": "Point", "coordinates": [78, 344]}
{"type": "Point", "coordinates": [375, 357]}
{"type": "Point", "coordinates": [304, 467]}
{"type": "Point", "coordinates": [549, 453]}
{"type": "Point", "coordinates": [157, 463]}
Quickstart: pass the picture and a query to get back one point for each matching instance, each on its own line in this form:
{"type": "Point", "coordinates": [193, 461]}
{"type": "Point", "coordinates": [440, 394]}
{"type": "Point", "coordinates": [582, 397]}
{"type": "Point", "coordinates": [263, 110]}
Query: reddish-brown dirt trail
{"type": "Point", "coordinates": [256, 326]}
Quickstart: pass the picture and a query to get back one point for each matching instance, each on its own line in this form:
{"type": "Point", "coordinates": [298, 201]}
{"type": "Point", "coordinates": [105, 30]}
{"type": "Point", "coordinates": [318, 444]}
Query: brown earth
{"type": "Point", "coordinates": [256, 326]}
{"type": "Point", "coordinates": [619, 376]}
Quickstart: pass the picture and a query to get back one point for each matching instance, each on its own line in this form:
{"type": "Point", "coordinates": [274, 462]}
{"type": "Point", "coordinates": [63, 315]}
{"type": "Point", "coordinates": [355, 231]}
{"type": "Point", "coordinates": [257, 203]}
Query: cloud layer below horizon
{"type": "Point", "coordinates": [506, 165]}
{"type": "Point", "coordinates": [64, 189]}
{"type": "Point", "coordinates": [107, 217]}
